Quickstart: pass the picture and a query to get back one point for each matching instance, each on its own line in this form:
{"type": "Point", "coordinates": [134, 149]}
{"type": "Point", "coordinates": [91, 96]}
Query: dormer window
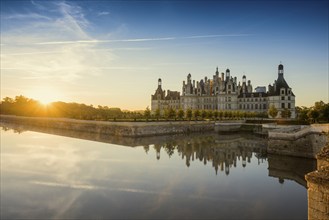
{"type": "Point", "coordinates": [282, 91]}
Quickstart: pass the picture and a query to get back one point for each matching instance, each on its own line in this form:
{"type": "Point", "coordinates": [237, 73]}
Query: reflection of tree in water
{"type": "Point", "coordinates": [222, 154]}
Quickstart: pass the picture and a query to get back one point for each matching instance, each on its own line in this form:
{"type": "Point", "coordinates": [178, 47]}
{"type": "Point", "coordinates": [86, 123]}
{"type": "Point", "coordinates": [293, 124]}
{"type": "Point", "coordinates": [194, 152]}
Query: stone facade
{"type": "Point", "coordinates": [318, 188]}
{"type": "Point", "coordinates": [224, 93]}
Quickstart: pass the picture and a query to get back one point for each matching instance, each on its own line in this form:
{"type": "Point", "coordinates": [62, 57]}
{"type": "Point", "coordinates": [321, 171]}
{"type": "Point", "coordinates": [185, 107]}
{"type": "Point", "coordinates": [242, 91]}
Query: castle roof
{"type": "Point", "coordinates": [280, 83]}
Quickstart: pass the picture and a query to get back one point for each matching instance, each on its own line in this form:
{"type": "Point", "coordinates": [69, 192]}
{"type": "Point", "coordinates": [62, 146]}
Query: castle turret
{"type": "Point", "coordinates": [280, 70]}
{"type": "Point", "coordinates": [227, 74]}
{"type": "Point", "coordinates": [159, 83]}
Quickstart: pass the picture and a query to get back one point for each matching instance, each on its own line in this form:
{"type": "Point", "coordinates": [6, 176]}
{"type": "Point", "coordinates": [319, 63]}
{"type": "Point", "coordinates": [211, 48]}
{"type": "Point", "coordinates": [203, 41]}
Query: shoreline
{"type": "Point", "coordinates": [124, 129]}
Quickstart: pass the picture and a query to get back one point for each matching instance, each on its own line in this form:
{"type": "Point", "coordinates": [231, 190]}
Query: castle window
{"type": "Point", "coordinates": [288, 97]}
{"type": "Point", "coordinates": [282, 97]}
{"type": "Point", "coordinates": [256, 100]}
{"type": "Point", "coordinates": [282, 105]}
{"type": "Point", "coordinates": [282, 91]}
{"type": "Point", "coordinates": [289, 106]}
{"type": "Point", "coordinates": [264, 106]}
{"type": "Point", "coordinates": [256, 106]}
{"type": "Point", "coordinates": [240, 106]}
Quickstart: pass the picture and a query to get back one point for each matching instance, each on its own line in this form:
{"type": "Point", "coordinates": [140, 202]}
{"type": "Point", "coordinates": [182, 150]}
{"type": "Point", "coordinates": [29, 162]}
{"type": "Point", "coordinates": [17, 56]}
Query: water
{"type": "Point", "coordinates": [47, 176]}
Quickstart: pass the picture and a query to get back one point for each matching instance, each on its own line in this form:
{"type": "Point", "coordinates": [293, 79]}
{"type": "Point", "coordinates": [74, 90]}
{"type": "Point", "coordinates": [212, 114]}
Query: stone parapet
{"type": "Point", "coordinates": [318, 188]}
{"type": "Point", "coordinates": [303, 141]}
{"type": "Point", "coordinates": [127, 129]}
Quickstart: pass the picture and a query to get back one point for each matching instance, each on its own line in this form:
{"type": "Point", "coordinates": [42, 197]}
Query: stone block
{"type": "Point", "coordinates": [315, 195]}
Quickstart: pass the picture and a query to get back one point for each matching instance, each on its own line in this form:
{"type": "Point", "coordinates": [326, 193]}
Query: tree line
{"type": "Point", "coordinates": [189, 114]}
{"type": "Point", "coordinates": [23, 106]}
{"type": "Point", "coordinates": [314, 114]}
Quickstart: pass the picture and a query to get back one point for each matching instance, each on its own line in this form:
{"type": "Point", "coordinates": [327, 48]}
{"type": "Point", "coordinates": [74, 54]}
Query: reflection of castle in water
{"type": "Point", "coordinates": [223, 152]}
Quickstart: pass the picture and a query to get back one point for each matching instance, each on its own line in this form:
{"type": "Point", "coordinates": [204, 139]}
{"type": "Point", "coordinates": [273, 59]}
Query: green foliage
{"type": "Point", "coordinates": [221, 114]}
{"type": "Point", "coordinates": [157, 113]}
{"type": "Point", "coordinates": [22, 106]}
{"type": "Point", "coordinates": [286, 113]}
{"type": "Point", "coordinates": [147, 113]}
{"type": "Point", "coordinates": [188, 114]}
{"type": "Point", "coordinates": [169, 113]}
{"type": "Point", "coordinates": [210, 114]}
{"type": "Point", "coordinates": [196, 114]}
{"type": "Point", "coordinates": [317, 113]}
{"type": "Point", "coordinates": [180, 114]}
{"type": "Point", "coordinates": [313, 114]}
{"type": "Point", "coordinates": [215, 114]}
{"type": "Point", "coordinates": [203, 114]}
{"type": "Point", "coordinates": [272, 111]}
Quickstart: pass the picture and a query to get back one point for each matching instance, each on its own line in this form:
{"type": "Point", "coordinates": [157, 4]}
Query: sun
{"type": "Point", "coordinates": [46, 95]}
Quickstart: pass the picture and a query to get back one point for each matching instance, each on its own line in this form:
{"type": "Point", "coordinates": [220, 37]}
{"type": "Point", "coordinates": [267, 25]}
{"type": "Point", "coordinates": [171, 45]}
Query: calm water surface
{"type": "Point", "coordinates": [180, 177]}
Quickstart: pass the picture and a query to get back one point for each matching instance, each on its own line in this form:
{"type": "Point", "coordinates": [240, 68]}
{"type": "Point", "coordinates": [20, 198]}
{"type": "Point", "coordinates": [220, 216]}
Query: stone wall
{"type": "Point", "coordinates": [318, 187]}
{"type": "Point", "coordinates": [305, 141]}
{"type": "Point", "coordinates": [126, 129]}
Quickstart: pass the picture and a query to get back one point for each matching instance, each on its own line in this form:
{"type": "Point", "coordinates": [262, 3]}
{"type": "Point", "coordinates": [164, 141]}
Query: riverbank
{"type": "Point", "coordinates": [124, 129]}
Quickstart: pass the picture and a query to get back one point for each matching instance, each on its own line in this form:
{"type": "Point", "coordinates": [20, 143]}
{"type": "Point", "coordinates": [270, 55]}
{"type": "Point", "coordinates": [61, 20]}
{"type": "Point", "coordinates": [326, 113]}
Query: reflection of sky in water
{"type": "Point", "coordinates": [47, 176]}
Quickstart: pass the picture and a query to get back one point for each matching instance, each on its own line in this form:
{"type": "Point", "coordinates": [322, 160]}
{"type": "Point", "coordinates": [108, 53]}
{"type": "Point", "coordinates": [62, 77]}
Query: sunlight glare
{"type": "Point", "coordinates": [45, 95]}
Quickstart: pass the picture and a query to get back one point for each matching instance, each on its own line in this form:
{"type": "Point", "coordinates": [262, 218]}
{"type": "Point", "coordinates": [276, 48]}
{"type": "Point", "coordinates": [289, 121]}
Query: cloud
{"type": "Point", "coordinates": [64, 62]}
{"type": "Point", "coordinates": [102, 13]}
{"type": "Point", "coordinates": [38, 6]}
{"type": "Point", "coordinates": [94, 41]}
{"type": "Point", "coordinates": [27, 16]}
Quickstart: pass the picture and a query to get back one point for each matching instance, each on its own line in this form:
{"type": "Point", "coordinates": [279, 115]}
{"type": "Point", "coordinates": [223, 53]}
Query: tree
{"type": "Point", "coordinates": [210, 114]}
{"type": "Point", "coordinates": [157, 113]}
{"type": "Point", "coordinates": [302, 113]}
{"type": "Point", "coordinates": [286, 113]}
{"type": "Point", "coordinates": [272, 111]}
{"type": "Point", "coordinates": [221, 114]}
{"type": "Point", "coordinates": [147, 113]}
{"type": "Point", "coordinates": [196, 114]}
{"type": "Point", "coordinates": [216, 114]}
{"type": "Point", "coordinates": [180, 113]}
{"type": "Point", "coordinates": [203, 114]}
{"type": "Point", "coordinates": [313, 114]}
{"type": "Point", "coordinates": [188, 114]}
{"type": "Point", "coordinates": [170, 113]}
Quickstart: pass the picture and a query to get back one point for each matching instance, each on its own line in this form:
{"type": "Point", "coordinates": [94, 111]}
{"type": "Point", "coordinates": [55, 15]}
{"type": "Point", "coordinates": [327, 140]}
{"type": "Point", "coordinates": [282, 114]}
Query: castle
{"type": "Point", "coordinates": [225, 93]}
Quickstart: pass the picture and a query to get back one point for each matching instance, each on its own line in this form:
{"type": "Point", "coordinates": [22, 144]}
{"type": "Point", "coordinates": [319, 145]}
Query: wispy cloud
{"type": "Point", "coordinates": [64, 62]}
{"type": "Point", "coordinates": [27, 16]}
{"type": "Point", "coordinates": [102, 13]}
{"type": "Point", "coordinates": [38, 5]}
{"type": "Point", "coordinates": [143, 39]}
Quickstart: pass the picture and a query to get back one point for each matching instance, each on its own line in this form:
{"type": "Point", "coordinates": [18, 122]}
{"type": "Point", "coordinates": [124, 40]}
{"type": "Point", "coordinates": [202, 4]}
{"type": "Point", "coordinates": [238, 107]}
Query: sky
{"type": "Point", "coordinates": [111, 53]}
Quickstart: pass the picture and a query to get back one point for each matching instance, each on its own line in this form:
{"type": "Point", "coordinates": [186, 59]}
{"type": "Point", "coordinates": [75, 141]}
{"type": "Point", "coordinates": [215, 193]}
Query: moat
{"type": "Point", "coordinates": [44, 175]}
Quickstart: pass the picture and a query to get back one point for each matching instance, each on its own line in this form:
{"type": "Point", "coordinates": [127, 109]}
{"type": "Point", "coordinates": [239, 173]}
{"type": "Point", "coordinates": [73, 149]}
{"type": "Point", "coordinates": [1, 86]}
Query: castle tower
{"type": "Point", "coordinates": [280, 70]}
{"type": "Point", "coordinates": [227, 74]}
{"type": "Point", "coordinates": [159, 83]}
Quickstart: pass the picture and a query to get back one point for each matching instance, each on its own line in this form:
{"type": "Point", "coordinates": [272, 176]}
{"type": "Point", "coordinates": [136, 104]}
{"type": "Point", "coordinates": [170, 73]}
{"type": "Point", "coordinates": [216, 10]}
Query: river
{"type": "Point", "coordinates": [51, 176]}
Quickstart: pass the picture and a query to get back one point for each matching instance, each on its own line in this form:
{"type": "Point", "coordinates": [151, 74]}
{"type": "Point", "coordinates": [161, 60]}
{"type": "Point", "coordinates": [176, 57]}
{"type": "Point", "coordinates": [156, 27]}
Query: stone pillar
{"type": "Point", "coordinates": [318, 187]}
